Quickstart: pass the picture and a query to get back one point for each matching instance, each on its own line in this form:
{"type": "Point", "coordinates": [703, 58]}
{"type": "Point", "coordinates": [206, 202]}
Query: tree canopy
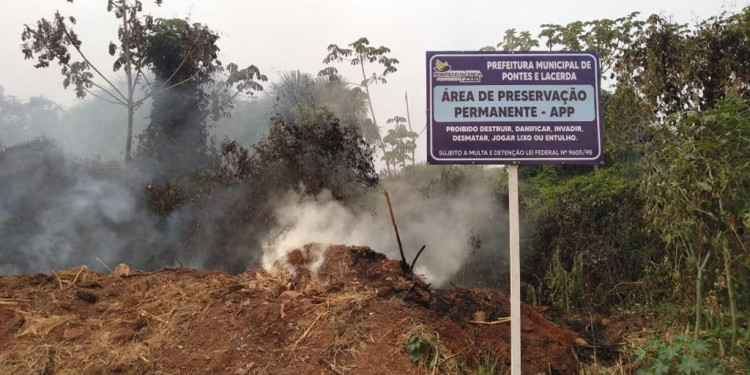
{"type": "Point", "coordinates": [55, 40]}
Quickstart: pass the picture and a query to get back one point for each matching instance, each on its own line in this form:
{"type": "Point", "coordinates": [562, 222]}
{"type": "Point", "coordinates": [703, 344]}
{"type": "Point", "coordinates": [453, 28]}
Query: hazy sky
{"type": "Point", "coordinates": [279, 35]}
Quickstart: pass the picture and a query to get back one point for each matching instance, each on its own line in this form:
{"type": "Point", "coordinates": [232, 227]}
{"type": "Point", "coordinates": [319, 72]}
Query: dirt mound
{"type": "Point", "coordinates": [330, 310]}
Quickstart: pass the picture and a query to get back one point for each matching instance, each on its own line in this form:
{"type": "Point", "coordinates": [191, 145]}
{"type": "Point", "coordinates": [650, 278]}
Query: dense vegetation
{"type": "Point", "coordinates": [665, 223]}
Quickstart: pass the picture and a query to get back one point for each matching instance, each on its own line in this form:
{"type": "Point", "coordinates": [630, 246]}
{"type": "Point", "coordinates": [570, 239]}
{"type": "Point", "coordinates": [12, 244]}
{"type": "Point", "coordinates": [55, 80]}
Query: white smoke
{"type": "Point", "coordinates": [444, 223]}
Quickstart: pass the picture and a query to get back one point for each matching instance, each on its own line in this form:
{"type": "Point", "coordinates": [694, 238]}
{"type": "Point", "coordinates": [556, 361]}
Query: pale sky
{"type": "Point", "coordinates": [280, 35]}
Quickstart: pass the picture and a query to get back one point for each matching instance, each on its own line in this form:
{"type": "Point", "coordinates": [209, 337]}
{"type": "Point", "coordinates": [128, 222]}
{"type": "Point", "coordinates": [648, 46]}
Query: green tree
{"type": "Point", "coordinates": [655, 64]}
{"type": "Point", "coordinates": [675, 68]}
{"type": "Point", "coordinates": [296, 96]}
{"type": "Point", "coordinates": [56, 40]}
{"type": "Point", "coordinates": [627, 122]}
{"type": "Point", "coordinates": [608, 37]}
{"type": "Point", "coordinates": [300, 96]}
{"type": "Point", "coordinates": [697, 183]}
{"type": "Point", "coordinates": [513, 41]}
{"type": "Point", "coordinates": [177, 134]}
{"type": "Point", "coordinates": [400, 143]}
{"type": "Point", "coordinates": [349, 104]}
{"type": "Point", "coordinates": [361, 53]}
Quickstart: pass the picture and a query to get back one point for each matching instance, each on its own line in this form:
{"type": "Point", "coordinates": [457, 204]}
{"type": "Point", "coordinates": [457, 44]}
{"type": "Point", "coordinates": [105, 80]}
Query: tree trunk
{"type": "Point", "coordinates": [699, 293]}
{"type": "Point", "coordinates": [408, 119]}
{"type": "Point", "coordinates": [129, 75]}
{"type": "Point", "coordinates": [129, 138]}
{"type": "Point", "coordinates": [372, 112]}
{"type": "Point", "coordinates": [730, 292]}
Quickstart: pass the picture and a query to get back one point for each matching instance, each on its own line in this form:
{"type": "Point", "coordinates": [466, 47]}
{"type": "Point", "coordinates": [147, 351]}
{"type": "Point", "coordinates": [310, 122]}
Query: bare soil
{"type": "Point", "coordinates": [352, 315]}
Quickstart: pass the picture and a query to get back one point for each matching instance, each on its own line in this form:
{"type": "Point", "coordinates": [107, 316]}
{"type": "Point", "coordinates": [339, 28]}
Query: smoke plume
{"type": "Point", "coordinates": [58, 210]}
{"type": "Point", "coordinates": [447, 223]}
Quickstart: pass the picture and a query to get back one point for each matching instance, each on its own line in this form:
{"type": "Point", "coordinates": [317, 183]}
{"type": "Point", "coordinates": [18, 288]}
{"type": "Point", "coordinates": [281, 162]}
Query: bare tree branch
{"type": "Point", "coordinates": [100, 87]}
{"type": "Point", "coordinates": [67, 35]}
{"type": "Point", "coordinates": [118, 102]}
{"type": "Point", "coordinates": [184, 59]}
{"type": "Point", "coordinates": [144, 76]}
{"type": "Point", "coordinates": [157, 92]}
{"type": "Point", "coordinates": [226, 102]}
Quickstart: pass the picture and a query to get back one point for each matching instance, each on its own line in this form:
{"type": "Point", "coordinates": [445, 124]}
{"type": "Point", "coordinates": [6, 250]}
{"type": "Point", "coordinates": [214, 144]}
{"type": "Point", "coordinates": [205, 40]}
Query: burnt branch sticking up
{"type": "Point", "coordinates": [404, 264]}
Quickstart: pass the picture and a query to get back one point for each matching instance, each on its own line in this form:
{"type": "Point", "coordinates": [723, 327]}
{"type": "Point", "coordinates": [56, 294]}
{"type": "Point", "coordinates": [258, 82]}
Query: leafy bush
{"type": "Point", "coordinates": [678, 353]}
{"type": "Point", "coordinates": [696, 178]}
{"type": "Point", "coordinates": [562, 287]}
{"type": "Point", "coordinates": [421, 348]}
{"type": "Point", "coordinates": [164, 199]}
{"type": "Point", "coordinates": [589, 225]}
{"type": "Point", "coordinates": [682, 354]}
{"type": "Point", "coordinates": [319, 153]}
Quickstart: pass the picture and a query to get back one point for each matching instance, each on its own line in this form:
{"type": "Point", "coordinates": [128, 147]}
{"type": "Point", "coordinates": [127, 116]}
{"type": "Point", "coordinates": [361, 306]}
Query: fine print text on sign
{"type": "Point", "coordinates": [513, 108]}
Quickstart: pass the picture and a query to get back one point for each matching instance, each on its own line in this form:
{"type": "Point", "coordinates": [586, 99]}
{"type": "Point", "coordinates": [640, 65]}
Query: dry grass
{"type": "Point", "coordinates": [146, 315]}
{"type": "Point", "coordinates": [150, 315]}
{"type": "Point", "coordinates": [68, 278]}
{"type": "Point", "coordinates": [447, 362]}
{"type": "Point", "coordinates": [261, 281]}
{"type": "Point", "coordinates": [40, 326]}
{"type": "Point", "coordinates": [619, 368]}
{"type": "Point", "coordinates": [36, 359]}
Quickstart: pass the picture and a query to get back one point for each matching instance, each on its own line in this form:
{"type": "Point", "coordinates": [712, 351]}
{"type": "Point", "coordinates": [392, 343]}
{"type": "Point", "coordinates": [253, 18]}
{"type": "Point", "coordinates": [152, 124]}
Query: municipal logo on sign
{"type": "Point", "coordinates": [442, 72]}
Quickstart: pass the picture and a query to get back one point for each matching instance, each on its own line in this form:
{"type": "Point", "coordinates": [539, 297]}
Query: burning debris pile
{"type": "Point", "coordinates": [325, 310]}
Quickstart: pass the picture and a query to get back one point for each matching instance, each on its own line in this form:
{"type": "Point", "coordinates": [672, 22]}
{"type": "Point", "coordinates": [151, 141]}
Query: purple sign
{"type": "Point", "coordinates": [513, 108]}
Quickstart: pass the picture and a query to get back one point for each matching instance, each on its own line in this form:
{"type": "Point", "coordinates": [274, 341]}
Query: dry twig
{"type": "Point", "coordinates": [499, 321]}
{"type": "Point", "coordinates": [404, 264]}
{"type": "Point", "coordinates": [58, 279]}
{"type": "Point", "coordinates": [78, 274]}
{"type": "Point", "coordinates": [304, 335]}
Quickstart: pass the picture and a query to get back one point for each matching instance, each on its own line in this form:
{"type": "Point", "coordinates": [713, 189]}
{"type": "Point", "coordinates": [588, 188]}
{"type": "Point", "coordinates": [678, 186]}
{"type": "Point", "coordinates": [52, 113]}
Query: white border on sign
{"type": "Point", "coordinates": [597, 91]}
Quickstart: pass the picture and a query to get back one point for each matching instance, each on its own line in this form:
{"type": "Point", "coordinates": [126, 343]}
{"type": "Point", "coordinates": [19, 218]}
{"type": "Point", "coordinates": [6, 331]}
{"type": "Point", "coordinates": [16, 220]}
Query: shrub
{"type": "Point", "coordinates": [588, 225]}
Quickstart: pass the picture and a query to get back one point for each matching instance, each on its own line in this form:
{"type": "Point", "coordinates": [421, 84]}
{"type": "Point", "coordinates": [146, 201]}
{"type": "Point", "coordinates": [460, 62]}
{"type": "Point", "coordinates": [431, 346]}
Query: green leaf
{"type": "Point", "coordinates": [414, 347]}
{"type": "Point", "coordinates": [681, 337]}
{"type": "Point", "coordinates": [415, 341]}
{"type": "Point", "coordinates": [659, 367]}
{"type": "Point", "coordinates": [670, 352]}
{"type": "Point", "coordinates": [698, 347]}
{"type": "Point", "coordinates": [689, 365]}
{"type": "Point", "coordinates": [416, 355]}
{"type": "Point", "coordinates": [655, 345]}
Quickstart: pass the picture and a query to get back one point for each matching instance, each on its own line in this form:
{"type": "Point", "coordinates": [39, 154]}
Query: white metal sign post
{"type": "Point", "coordinates": [513, 108]}
{"type": "Point", "coordinates": [515, 271]}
